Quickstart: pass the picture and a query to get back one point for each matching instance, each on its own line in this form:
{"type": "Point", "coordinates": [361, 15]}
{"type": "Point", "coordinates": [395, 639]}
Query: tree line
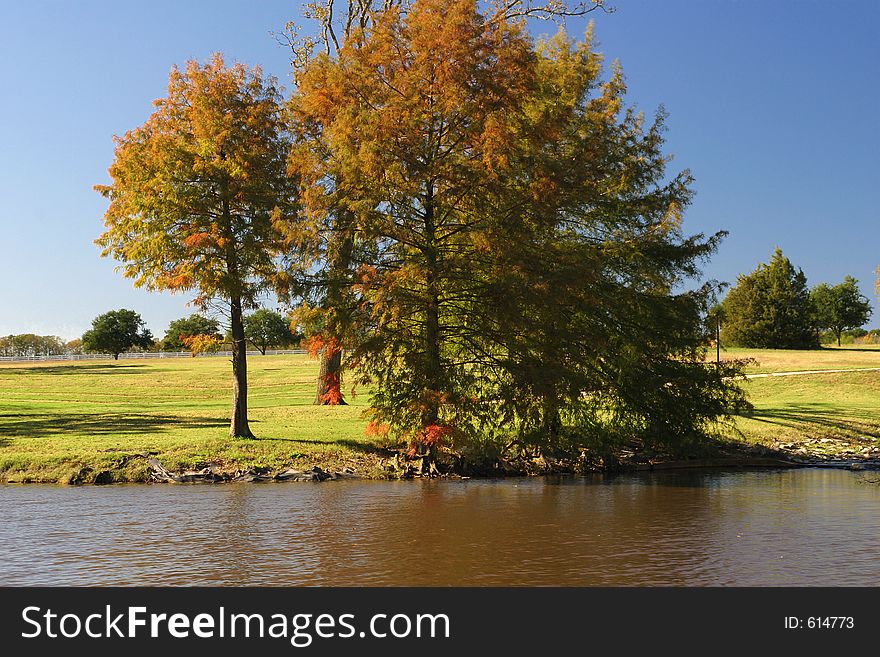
{"type": "Point", "coordinates": [118, 331]}
{"type": "Point", "coordinates": [28, 344]}
{"type": "Point", "coordinates": [774, 308]}
{"type": "Point", "coordinates": [470, 222]}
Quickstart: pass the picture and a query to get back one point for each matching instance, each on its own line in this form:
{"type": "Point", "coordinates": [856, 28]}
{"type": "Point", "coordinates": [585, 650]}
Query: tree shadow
{"type": "Point", "coordinates": [354, 445]}
{"type": "Point", "coordinates": [97, 368]}
{"type": "Point", "coordinates": [872, 349]}
{"type": "Point", "coordinates": [31, 425]}
{"type": "Point", "coordinates": [796, 415]}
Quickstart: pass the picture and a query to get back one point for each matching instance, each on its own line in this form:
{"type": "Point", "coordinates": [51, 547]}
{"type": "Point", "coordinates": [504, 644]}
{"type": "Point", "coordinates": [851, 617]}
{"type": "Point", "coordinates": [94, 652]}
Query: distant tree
{"type": "Point", "coordinates": [197, 193]}
{"type": "Point", "coordinates": [184, 327]}
{"type": "Point", "coordinates": [840, 307]}
{"type": "Point", "coordinates": [771, 308]}
{"type": "Point", "coordinates": [29, 344]}
{"type": "Point", "coordinates": [115, 332]}
{"type": "Point", "coordinates": [74, 346]}
{"type": "Point", "coordinates": [266, 328]}
{"type": "Point", "coordinates": [202, 343]}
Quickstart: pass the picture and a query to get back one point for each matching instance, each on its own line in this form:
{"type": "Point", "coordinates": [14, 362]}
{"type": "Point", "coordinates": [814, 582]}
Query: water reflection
{"type": "Point", "coordinates": [801, 527]}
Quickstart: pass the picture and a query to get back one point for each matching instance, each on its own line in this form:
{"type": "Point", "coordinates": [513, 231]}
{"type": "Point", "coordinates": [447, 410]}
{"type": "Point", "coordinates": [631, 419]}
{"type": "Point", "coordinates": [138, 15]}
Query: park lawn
{"type": "Point", "coordinates": [820, 415]}
{"type": "Point", "coordinates": [58, 417]}
{"type": "Point", "coordinates": [67, 421]}
{"type": "Point", "coordinates": [833, 415]}
{"type": "Point", "coordinates": [789, 360]}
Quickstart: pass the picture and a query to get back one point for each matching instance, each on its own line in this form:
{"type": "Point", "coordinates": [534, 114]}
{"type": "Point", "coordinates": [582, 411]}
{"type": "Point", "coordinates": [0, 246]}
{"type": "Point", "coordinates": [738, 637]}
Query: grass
{"type": "Point", "coordinates": [833, 415]}
{"type": "Point", "coordinates": [57, 419]}
{"type": "Point", "coordinates": [786, 360]}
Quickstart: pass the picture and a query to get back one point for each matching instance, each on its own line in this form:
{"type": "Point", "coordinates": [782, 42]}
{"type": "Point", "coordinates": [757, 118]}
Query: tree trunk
{"type": "Point", "coordinates": [432, 313]}
{"type": "Point", "coordinates": [238, 427]}
{"type": "Point", "coordinates": [329, 391]}
{"type": "Point", "coordinates": [115, 356]}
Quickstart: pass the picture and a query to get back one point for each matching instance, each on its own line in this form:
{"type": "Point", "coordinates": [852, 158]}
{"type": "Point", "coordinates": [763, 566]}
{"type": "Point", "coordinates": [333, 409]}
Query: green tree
{"type": "Point", "coordinates": [266, 328]}
{"type": "Point", "coordinates": [185, 327]}
{"type": "Point", "coordinates": [771, 308]}
{"type": "Point", "coordinates": [197, 193]}
{"type": "Point", "coordinates": [840, 307]}
{"type": "Point", "coordinates": [116, 331]}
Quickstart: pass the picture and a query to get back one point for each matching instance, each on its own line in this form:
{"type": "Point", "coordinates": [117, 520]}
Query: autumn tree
{"type": "Point", "coordinates": [840, 307]}
{"type": "Point", "coordinates": [413, 125]}
{"type": "Point", "coordinates": [203, 343]}
{"type": "Point", "coordinates": [526, 234]}
{"type": "Point", "coordinates": [584, 321]}
{"type": "Point", "coordinates": [182, 328]}
{"type": "Point", "coordinates": [324, 283]}
{"type": "Point", "coordinates": [266, 328]}
{"type": "Point", "coordinates": [115, 332]}
{"type": "Point", "coordinates": [771, 308]}
{"type": "Point", "coordinates": [197, 192]}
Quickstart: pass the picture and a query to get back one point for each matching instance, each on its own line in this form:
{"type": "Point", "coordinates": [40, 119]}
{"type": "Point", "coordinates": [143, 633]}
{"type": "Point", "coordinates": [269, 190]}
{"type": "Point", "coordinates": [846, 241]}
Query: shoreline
{"type": "Point", "coordinates": [212, 472]}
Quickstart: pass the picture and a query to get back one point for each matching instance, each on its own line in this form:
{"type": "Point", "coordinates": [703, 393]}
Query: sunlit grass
{"type": "Point", "coordinates": [785, 360]}
{"type": "Point", "coordinates": [56, 418]}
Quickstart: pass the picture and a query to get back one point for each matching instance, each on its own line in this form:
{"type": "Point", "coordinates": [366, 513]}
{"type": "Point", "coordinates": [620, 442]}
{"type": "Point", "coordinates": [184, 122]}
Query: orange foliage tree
{"type": "Point", "coordinates": [197, 193]}
{"type": "Point", "coordinates": [522, 239]}
{"type": "Point", "coordinates": [408, 130]}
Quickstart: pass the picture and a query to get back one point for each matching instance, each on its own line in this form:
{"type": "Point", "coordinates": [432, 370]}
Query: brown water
{"type": "Point", "coordinates": [801, 527]}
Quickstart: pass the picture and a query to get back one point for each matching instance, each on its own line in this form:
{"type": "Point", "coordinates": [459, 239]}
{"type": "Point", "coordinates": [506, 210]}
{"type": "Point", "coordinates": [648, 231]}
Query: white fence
{"type": "Point", "coordinates": [146, 354]}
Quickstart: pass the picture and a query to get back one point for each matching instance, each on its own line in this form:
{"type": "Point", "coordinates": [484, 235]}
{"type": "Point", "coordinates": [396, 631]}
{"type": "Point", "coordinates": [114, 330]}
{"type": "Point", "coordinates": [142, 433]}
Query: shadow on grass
{"type": "Point", "coordinates": [871, 349]}
{"type": "Point", "coordinates": [348, 443]}
{"type": "Point", "coordinates": [31, 425]}
{"type": "Point", "coordinates": [97, 368]}
{"type": "Point", "coordinates": [797, 415]}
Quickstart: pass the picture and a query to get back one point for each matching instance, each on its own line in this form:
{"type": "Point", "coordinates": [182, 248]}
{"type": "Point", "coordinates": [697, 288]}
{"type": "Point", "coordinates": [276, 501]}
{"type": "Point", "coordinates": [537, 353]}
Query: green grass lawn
{"type": "Point", "coordinates": [57, 418]}
{"type": "Point", "coordinates": [833, 415]}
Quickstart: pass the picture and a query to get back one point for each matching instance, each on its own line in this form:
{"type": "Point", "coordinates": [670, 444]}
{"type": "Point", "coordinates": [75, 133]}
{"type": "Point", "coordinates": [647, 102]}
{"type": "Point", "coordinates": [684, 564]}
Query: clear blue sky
{"type": "Point", "coordinates": [773, 106]}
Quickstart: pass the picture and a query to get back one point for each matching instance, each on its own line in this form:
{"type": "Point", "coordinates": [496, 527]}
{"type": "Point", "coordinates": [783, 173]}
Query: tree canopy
{"type": "Point", "coordinates": [266, 328]}
{"type": "Point", "coordinates": [197, 192]}
{"type": "Point", "coordinates": [185, 327]}
{"type": "Point", "coordinates": [115, 332]}
{"type": "Point", "coordinates": [522, 236]}
{"type": "Point", "coordinates": [840, 307]}
{"type": "Point", "coordinates": [770, 308]}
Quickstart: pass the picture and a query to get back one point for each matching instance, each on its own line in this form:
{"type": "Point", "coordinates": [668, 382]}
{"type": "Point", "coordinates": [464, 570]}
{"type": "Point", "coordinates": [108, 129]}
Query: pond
{"type": "Point", "coordinates": [782, 527]}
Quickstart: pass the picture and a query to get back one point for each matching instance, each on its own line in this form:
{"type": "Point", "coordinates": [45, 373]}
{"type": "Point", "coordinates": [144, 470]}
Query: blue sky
{"type": "Point", "coordinates": [772, 105]}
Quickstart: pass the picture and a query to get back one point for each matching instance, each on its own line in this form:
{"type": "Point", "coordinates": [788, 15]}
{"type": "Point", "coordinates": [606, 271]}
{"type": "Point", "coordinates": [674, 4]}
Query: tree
{"type": "Point", "coordinates": [523, 244]}
{"type": "Point", "coordinates": [266, 328]}
{"type": "Point", "coordinates": [201, 343]}
{"type": "Point", "coordinates": [197, 193]}
{"type": "Point", "coordinates": [324, 282]}
{"type": "Point", "coordinates": [116, 331]}
{"type": "Point", "coordinates": [841, 307]}
{"type": "Point", "coordinates": [184, 327]}
{"type": "Point", "coordinates": [771, 308]}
